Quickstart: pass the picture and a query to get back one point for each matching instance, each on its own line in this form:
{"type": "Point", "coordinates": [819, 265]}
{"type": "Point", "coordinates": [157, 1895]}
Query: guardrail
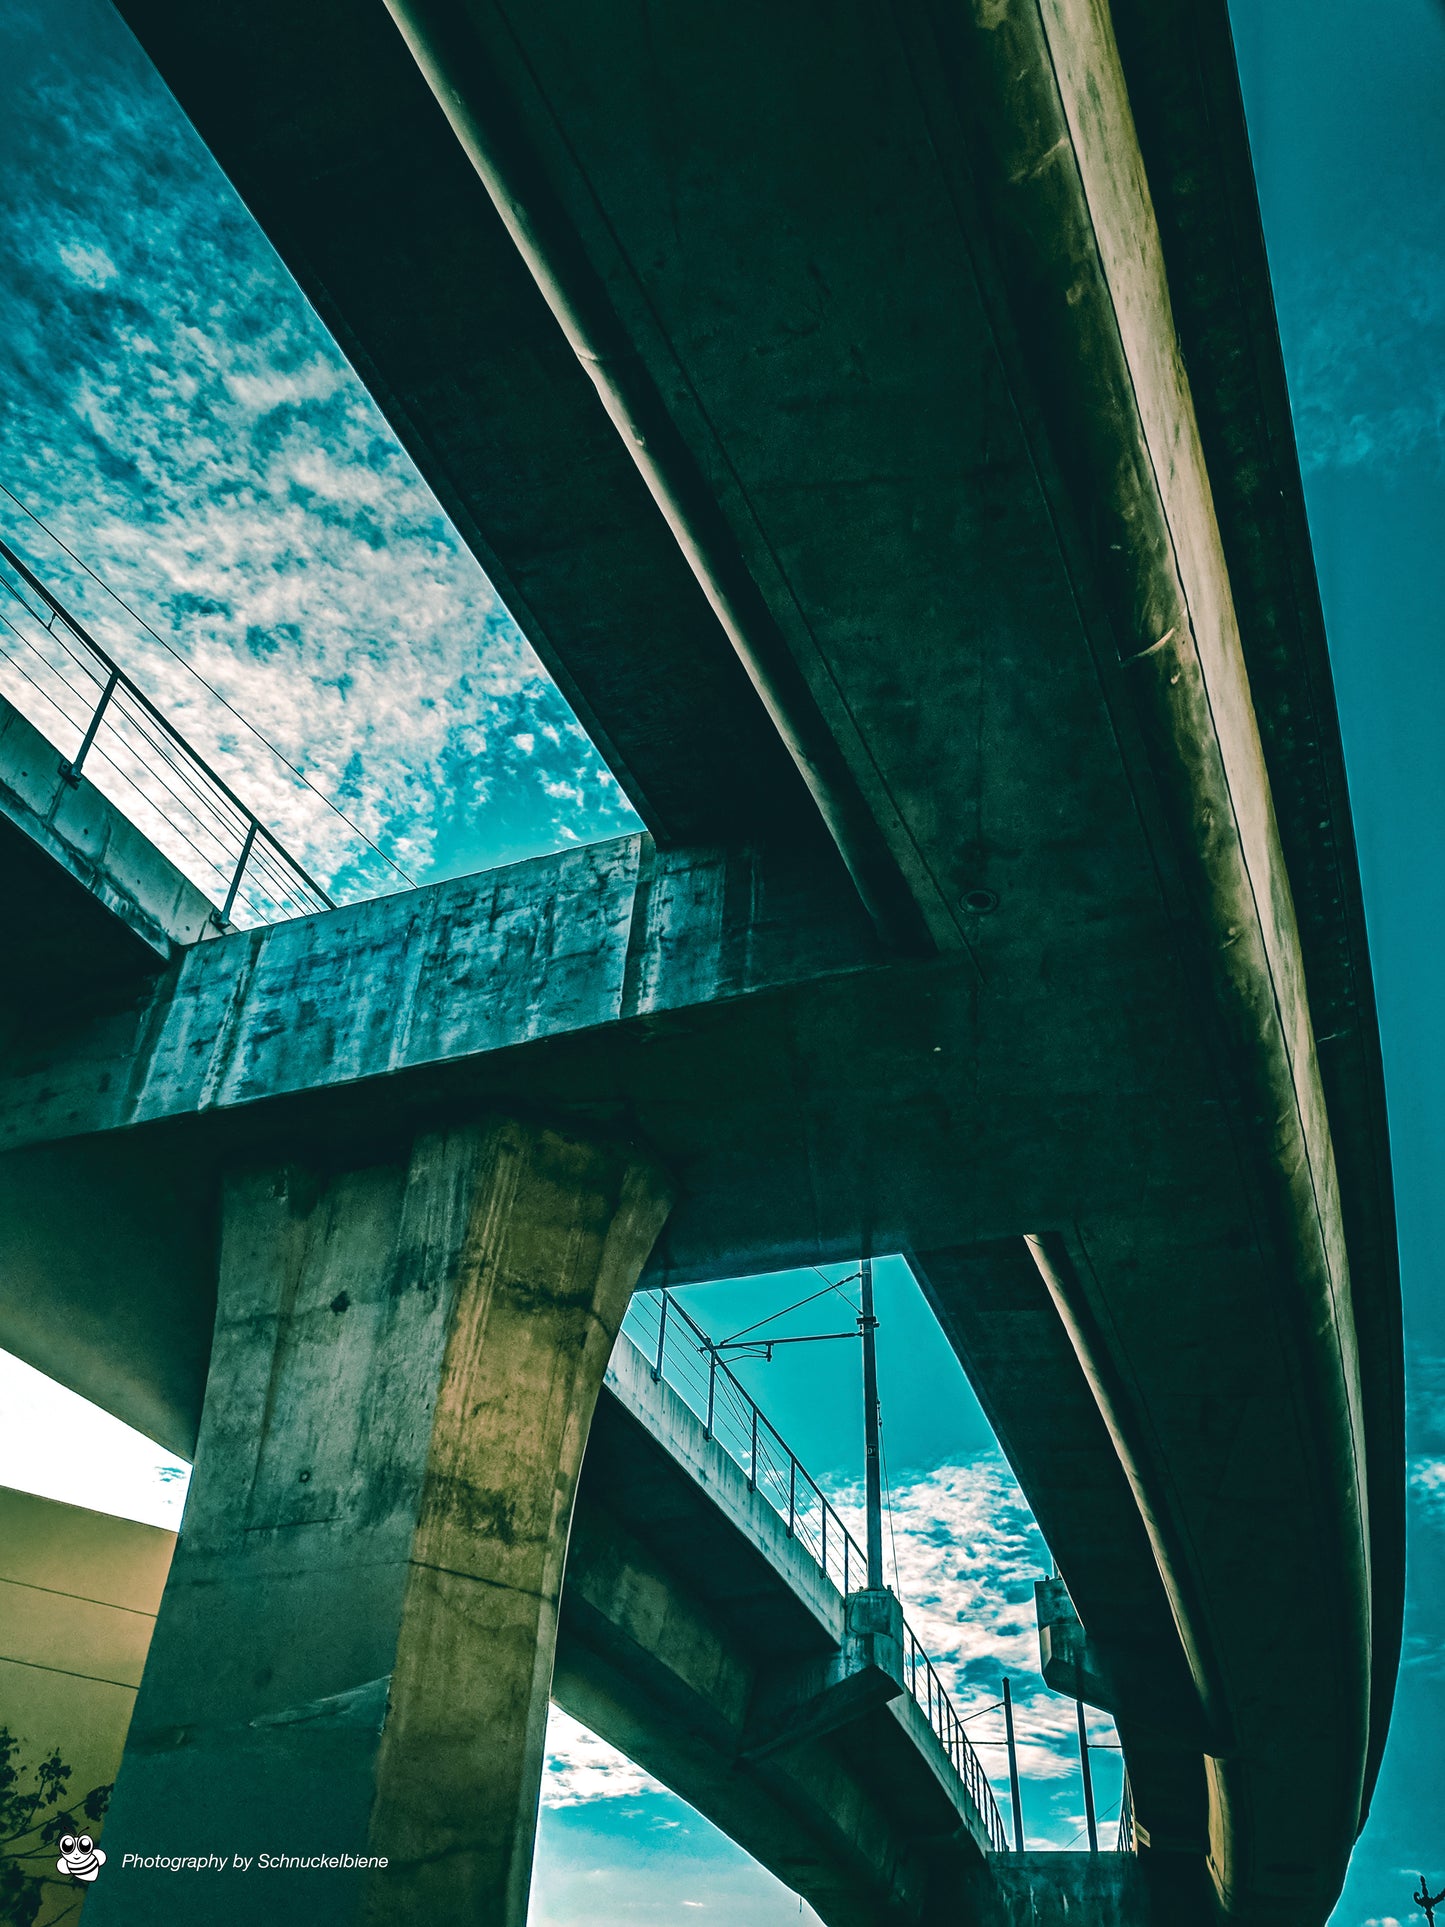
{"type": "Point", "coordinates": [102, 723]}
{"type": "Point", "coordinates": [681, 1352]}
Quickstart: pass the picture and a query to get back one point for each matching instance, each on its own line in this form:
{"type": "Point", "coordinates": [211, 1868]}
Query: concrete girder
{"type": "Point", "coordinates": [1065, 199]}
{"type": "Point", "coordinates": [89, 900]}
{"type": "Point", "coordinates": [995, 1310]}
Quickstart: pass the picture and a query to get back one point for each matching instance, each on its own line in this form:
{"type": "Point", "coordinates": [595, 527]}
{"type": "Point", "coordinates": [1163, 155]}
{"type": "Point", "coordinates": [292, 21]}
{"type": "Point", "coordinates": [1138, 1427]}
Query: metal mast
{"type": "Point", "coordinates": [1013, 1767]}
{"type": "Point", "coordinates": [1088, 1777]}
{"type": "Point", "coordinates": [872, 1463]}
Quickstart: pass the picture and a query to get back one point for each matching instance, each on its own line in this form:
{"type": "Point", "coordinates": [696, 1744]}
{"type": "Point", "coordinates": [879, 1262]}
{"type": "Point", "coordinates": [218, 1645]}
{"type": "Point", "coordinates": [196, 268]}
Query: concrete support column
{"type": "Point", "coordinates": [354, 1652]}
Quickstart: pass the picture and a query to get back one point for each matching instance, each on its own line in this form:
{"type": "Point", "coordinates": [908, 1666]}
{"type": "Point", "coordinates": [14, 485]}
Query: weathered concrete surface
{"type": "Point", "coordinates": [434, 978]}
{"type": "Point", "coordinates": [1086, 1890]}
{"type": "Point", "coordinates": [1178, 61]}
{"type": "Point", "coordinates": [87, 897]}
{"type": "Point", "coordinates": [116, 1299]}
{"type": "Point", "coordinates": [405, 1366]}
{"type": "Point", "coordinates": [688, 1614]}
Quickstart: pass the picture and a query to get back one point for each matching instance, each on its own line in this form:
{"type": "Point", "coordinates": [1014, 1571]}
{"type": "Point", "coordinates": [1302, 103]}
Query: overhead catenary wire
{"type": "Point", "coordinates": [209, 687]}
{"type": "Point", "coordinates": [888, 1505]}
{"type": "Point", "coordinates": [769, 1318]}
{"type": "Point", "coordinates": [1108, 1814]}
{"type": "Point", "coordinates": [654, 1319]}
{"type": "Point", "coordinates": [126, 707]}
{"type": "Point", "coordinates": [838, 1283]}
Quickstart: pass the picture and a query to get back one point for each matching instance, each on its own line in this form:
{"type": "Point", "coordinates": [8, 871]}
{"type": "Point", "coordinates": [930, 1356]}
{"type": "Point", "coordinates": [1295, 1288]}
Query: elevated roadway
{"type": "Point", "coordinates": [885, 443]}
{"type": "Point", "coordinates": [702, 1637]}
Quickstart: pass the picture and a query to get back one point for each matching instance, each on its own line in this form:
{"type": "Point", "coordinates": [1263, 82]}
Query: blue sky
{"type": "Point", "coordinates": [178, 415]}
{"type": "Point", "coordinates": [1346, 110]}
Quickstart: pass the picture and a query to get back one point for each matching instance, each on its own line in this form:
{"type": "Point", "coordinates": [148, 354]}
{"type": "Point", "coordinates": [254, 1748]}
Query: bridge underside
{"type": "Point", "coordinates": [688, 1607]}
{"type": "Point", "coordinates": [962, 656]}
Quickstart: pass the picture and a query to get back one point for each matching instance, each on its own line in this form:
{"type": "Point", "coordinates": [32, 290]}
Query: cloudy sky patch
{"type": "Point", "coordinates": [180, 418]}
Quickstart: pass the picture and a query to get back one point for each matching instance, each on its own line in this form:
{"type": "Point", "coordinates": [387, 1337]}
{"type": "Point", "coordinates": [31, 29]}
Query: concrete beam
{"type": "Point", "coordinates": [1148, 1701]}
{"type": "Point", "coordinates": [996, 1313]}
{"type": "Point", "coordinates": [360, 1620]}
{"type": "Point", "coordinates": [434, 977]}
{"type": "Point", "coordinates": [804, 1699]}
{"type": "Point", "coordinates": [88, 897]}
{"type": "Point", "coordinates": [1179, 64]}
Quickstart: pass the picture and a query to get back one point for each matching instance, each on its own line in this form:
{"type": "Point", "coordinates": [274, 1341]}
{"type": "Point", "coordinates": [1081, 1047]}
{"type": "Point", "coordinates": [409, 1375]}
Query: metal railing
{"type": "Point", "coordinates": [678, 1350]}
{"type": "Point", "coordinates": [1125, 1842]}
{"type": "Point", "coordinates": [103, 724]}
{"type": "Point", "coordinates": [929, 1691]}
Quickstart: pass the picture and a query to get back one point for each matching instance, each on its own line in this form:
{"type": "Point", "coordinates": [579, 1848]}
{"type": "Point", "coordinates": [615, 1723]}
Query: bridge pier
{"type": "Point", "coordinates": [354, 1651]}
{"type": "Point", "coordinates": [1099, 1889]}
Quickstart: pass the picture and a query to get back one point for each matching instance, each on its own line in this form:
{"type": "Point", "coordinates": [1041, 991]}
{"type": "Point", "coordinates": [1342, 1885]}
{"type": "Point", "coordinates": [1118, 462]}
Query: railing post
{"type": "Point", "coordinates": [661, 1339]}
{"type": "Point", "coordinates": [711, 1388]}
{"type": "Point", "coordinates": [792, 1493]}
{"type": "Point", "coordinates": [847, 1545]}
{"type": "Point", "coordinates": [753, 1452]}
{"type": "Point", "coordinates": [71, 771]}
{"type": "Point", "coordinates": [245, 858]}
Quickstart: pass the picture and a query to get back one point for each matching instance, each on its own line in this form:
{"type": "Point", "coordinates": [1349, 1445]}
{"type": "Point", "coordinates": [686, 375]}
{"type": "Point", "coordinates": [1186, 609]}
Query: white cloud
{"type": "Point", "coordinates": [1366, 356]}
{"type": "Point", "coordinates": [581, 1767]}
{"type": "Point", "coordinates": [967, 1555]}
{"type": "Point", "coordinates": [1427, 1481]}
{"type": "Point", "coordinates": [91, 267]}
{"type": "Point", "coordinates": [563, 790]}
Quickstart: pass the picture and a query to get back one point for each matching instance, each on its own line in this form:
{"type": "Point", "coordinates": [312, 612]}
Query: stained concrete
{"type": "Point", "coordinates": [355, 1646]}
{"type": "Point", "coordinates": [1087, 1890]}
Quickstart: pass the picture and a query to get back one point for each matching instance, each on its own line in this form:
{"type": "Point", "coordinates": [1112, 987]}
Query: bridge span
{"type": "Point", "coordinates": [874, 416]}
{"type": "Point", "coordinates": [715, 1627]}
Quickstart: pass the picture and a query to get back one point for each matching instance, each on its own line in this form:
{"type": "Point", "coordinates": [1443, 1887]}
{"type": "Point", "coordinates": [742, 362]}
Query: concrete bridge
{"type": "Point", "coordinates": [874, 417]}
{"type": "Point", "coordinates": [709, 1628]}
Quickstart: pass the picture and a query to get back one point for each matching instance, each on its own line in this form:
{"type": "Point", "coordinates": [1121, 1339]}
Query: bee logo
{"type": "Point", "coordinates": [80, 1857]}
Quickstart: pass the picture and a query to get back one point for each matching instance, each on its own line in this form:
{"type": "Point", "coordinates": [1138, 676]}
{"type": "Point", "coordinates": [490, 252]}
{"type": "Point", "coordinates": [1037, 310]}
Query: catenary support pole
{"type": "Point", "coordinates": [1013, 1767]}
{"type": "Point", "coordinates": [872, 1462]}
{"type": "Point", "coordinates": [1087, 1771]}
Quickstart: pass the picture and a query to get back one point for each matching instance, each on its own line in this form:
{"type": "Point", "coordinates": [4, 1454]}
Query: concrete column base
{"type": "Point", "coordinates": [354, 1652]}
{"type": "Point", "coordinates": [1089, 1890]}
